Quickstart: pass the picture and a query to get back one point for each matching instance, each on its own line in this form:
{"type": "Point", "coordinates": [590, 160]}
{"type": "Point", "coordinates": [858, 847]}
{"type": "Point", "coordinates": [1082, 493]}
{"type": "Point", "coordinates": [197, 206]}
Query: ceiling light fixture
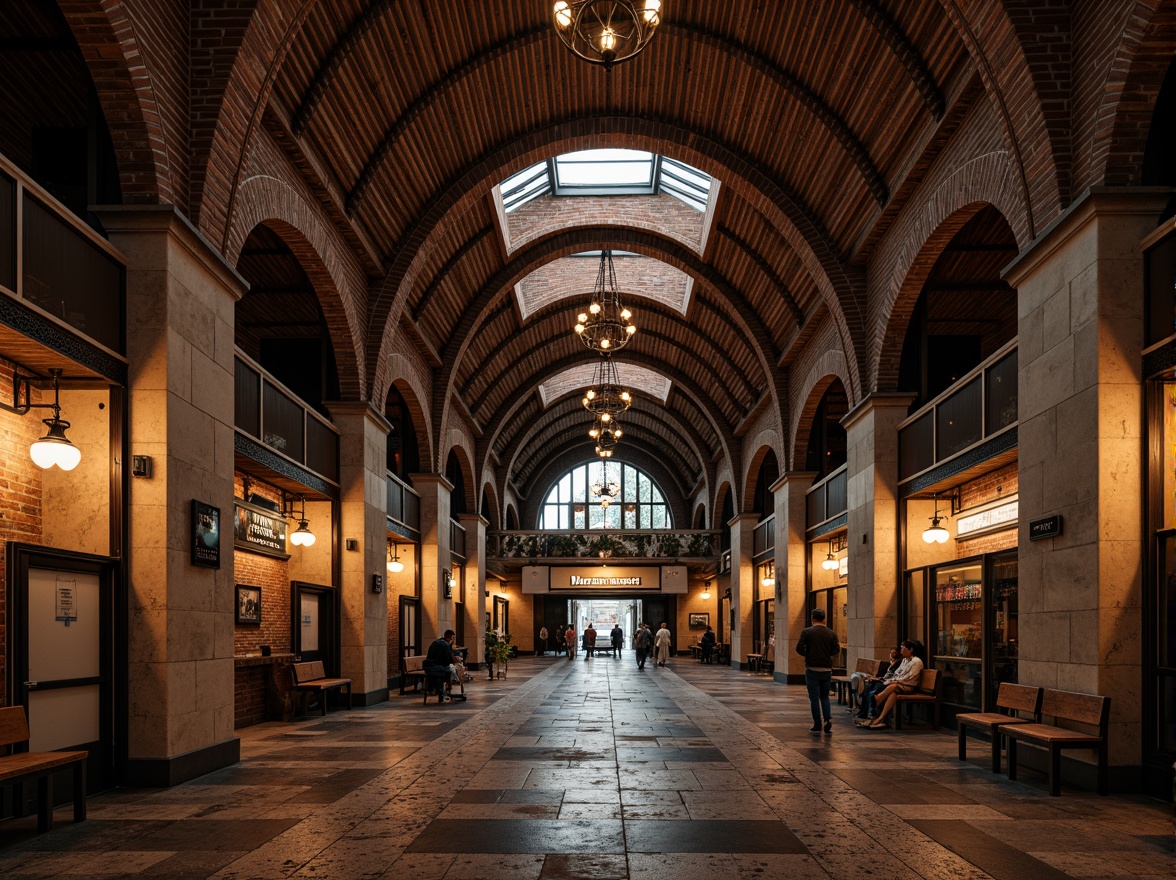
{"type": "Point", "coordinates": [606, 32]}
{"type": "Point", "coordinates": [394, 563]}
{"type": "Point", "coordinates": [301, 536]}
{"type": "Point", "coordinates": [706, 590]}
{"type": "Point", "coordinates": [607, 325]}
{"type": "Point", "coordinates": [606, 396]}
{"type": "Point", "coordinates": [935, 533]}
{"type": "Point", "coordinates": [830, 563]}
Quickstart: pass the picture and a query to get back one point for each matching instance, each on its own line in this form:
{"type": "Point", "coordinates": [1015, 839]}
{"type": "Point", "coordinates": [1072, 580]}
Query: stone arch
{"type": "Point", "coordinates": [699, 521]}
{"type": "Point", "coordinates": [278, 206]}
{"type": "Point", "coordinates": [764, 442]}
{"type": "Point", "coordinates": [415, 393]}
{"type": "Point", "coordinates": [148, 163]}
{"type": "Point", "coordinates": [816, 384]}
{"type": "Point", "coordinates": [828, 368]}
{"type": "Point", "coordinates": [490, 491]}
{"type": "Point", "coordinates": [1134, 77]}
{"type": "Point", "coordinates": [462, 446]}
{"type": "Point", "coordinates": [1033, 137]}
{"type": "Point", "coordinates": [917, 243]}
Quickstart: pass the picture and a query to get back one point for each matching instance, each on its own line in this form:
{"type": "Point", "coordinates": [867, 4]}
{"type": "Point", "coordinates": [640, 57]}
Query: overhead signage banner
{"type": "Point", "coordinates": [259, 530]}
{"type": "Point", "coordinates": [606, 577]}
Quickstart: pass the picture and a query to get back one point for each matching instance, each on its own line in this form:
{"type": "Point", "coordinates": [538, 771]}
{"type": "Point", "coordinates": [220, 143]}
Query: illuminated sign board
{"type": "Point", "coordinates": [991, 519]}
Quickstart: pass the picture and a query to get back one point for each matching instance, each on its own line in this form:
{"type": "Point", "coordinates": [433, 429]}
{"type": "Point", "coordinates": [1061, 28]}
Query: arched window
{"type": "Point", "coordinates": [639, 502]}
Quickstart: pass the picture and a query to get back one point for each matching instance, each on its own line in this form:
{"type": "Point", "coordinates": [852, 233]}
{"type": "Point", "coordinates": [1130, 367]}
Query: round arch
{"type": "Point", "coordinates": [279, 207]}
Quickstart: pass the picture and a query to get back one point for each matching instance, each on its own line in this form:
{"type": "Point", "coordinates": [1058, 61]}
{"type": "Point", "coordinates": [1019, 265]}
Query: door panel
{"type": "Point", "coordinates": [65, 718]}
{"type": "Point", "coordinates": [310, 623]}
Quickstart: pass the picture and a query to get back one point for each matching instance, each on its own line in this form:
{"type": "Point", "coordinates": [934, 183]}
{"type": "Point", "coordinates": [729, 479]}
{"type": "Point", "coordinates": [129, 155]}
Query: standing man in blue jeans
{"type": "Point", "coordinates": [820, 648]}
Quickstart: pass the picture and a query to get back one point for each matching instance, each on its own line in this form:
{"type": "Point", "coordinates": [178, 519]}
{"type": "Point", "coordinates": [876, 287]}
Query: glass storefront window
{"type": "Point", "coordinates": [1003, 641]}
{"type": "Point", "coordinates": [959, 623]}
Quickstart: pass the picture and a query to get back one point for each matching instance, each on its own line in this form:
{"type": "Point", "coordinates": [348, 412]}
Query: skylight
{"type": "Point", "coordinates": [607, 172]}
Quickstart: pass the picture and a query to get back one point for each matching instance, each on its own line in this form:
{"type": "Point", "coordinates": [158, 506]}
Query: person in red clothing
{"type": "Point", "coordinates": [570, 641]}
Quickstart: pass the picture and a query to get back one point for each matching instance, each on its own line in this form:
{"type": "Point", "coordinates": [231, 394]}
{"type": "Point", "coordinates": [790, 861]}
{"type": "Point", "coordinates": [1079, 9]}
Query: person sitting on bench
{"type": "Point", "coordinates": [872, 685]}
{"type": "Point", "coordinates": [708, 646]}
{"type": "Point", "coordinates": [906, 679]}
{"type": "Point", "coordinates": [440, 665]}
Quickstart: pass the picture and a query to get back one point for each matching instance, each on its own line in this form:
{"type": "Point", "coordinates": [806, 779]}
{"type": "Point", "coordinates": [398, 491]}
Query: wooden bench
{"type": "Point", "coordinates": [412, 670]}
{"type": "Point", "coordinates": [311, 677]}
{"type": "Point", "coordinates": [17, 768]}
{"type": "Point", "coordinates": [1010, 699]}
{"type": "Point", "coordinates": [930, 684]}
{"type": "Point", "coordinates": [1086, 709]}
{"type": "Point", "coordinates": [603, 648]}
{"type": "Point", "coordinates": [865, 666]}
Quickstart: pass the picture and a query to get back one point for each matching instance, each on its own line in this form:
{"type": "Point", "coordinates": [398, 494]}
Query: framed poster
{"type": "Point", "coordinates": [248, 605]}
{"type": "Point", "coordinates": [699, 619]}
{"type": "Point", "coordinates": [205, 534]}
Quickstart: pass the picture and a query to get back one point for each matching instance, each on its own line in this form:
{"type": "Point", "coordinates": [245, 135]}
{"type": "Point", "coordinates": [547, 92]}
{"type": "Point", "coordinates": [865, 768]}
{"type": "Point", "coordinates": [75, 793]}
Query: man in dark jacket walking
{"type": "Point", "coordinates": [820, 648]}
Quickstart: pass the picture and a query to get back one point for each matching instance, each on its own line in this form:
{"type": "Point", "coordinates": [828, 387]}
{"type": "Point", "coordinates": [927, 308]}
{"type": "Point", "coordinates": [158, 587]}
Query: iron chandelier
{"type": "Point", "coordinates": [606, 396]}
{"type": "Point", "coordinates": [606, 32]}
{"type": "Point", "coordinates": [606, 326]}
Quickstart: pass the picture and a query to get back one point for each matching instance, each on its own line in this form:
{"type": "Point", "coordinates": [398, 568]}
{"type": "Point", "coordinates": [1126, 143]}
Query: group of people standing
{"type": "Point", "coordinates": [645, 642]}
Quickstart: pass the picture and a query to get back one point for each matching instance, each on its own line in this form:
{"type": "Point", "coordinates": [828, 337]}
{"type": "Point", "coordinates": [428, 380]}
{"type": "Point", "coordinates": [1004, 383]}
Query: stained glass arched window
{"type": "Point", "coordinates": [638, 504]}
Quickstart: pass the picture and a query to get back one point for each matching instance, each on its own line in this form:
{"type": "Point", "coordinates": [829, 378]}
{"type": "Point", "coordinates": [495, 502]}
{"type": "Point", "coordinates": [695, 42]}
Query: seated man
{"type": "Point", "coordinates": [440, 665]}
{"type": "Point", "coordinates": [871, 686]}
{"type": "Point", "coordinates": [708, 646]}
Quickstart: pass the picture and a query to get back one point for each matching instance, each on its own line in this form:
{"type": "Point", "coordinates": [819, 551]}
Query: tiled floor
{"type": "Point", "coordinates": [595, 770]}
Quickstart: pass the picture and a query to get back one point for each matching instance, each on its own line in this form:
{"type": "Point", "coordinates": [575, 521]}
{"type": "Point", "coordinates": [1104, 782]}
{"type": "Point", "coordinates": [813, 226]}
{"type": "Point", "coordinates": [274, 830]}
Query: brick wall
{"type": "Point", "coordinates": [20, 499]}
{"type": "Point", "coordinates": [249, 695]}
{"type": "Point", "coordinates": [272, 575]}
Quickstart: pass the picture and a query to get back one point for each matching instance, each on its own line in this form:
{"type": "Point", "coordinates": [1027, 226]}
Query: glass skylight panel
{"type": "Point", "coordinates": [688, 185]}
{"type": "Point", "coordinates": [630, 170]}
{"type": "Point", "coordinates": [528, 184]}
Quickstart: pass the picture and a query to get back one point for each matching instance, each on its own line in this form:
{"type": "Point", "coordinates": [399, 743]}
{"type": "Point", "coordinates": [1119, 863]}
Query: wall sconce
{"type": "Point", "coordinates": [935, 533]}
{"type": "Point", "coordinates": [394, 563]}
{"type": "Point", "coordinates": [301, 536]}
{"type": "Point", "coordinates": [54, 448]}
{"type": "Point", "coordinates": [706, 590]}
{"type": "Point", "coordinates": [769, 578]}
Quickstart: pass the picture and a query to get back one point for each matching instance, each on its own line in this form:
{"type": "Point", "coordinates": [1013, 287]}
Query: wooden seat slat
{"type": "Point", "coordinates": [312, 676]}
{"type": "Point", "coordinates": [26, 766]}
{"type": "Point", "coordinates": [1013, 697]}
{"type": "Point", "coordinates": [1091, 710]}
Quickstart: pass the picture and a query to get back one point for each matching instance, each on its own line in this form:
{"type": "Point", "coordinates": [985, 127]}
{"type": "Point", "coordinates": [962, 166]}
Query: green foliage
{"type": "Point", "coordinates": [498, 650]}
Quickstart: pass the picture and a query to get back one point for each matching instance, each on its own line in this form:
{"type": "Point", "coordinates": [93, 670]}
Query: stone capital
{"type": "Point", "coordinates": [792, 479]}
{"type": "Point", "coordinates": [871, 403]}
{"type": "Point", "coordinates": [125, 221]}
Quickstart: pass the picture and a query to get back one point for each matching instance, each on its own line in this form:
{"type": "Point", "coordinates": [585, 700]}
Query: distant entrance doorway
{"type": "Point", "coordinates": [604, 614]}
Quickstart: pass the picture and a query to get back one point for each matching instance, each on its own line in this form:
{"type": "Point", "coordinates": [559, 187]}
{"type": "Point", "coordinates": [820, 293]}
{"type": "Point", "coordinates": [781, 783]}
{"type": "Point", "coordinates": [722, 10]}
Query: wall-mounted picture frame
{"type": "Point", "coordinates": [205, 534]}
{"type": "Point", "coordinates": [699, 619]}
{"type": "Point", "coordinates": [248, 605]}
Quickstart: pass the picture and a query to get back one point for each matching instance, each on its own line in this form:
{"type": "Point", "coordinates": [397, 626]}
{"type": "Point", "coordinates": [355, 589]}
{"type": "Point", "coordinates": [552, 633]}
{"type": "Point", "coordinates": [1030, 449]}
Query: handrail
{"type": "Point", "coordinates": [277, 383]}
{"type": "Point", "coordinates": [959, 383]}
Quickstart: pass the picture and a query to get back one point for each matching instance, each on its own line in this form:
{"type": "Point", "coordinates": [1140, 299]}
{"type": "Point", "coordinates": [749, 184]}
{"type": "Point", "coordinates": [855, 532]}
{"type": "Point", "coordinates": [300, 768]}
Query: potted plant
{"type": "Point", "coordinates": [498, 652]}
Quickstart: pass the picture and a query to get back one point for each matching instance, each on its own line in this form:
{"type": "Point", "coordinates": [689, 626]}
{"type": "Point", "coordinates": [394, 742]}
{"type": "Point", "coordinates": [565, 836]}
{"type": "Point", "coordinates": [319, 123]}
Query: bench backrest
{"type": "Point", "coordinates": [929, 682]}
{"type": "Point", "coordinates": [413, 663]}
{"type": "Point", "coordinates": [1084, 708]}
{"type": "Point", "coordinates": [866, 666]}
{"type": "Point", "coordinates": [309, 671]}
{"type": "Point", "coordinates": [1019, 698]}
{"type": "Point", "coordinates": [14, 727]}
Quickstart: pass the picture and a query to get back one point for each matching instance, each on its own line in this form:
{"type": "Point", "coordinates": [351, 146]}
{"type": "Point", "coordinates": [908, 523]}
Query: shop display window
{"type": "Point", "coordinates": [959, 620]}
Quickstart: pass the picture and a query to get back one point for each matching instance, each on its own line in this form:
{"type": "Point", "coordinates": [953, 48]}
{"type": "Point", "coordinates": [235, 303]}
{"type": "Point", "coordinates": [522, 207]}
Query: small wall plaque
{"type": "Point", "coordinates": [1049, 527]}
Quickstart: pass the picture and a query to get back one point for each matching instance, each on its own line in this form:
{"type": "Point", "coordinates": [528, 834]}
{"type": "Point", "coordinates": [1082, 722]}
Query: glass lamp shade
{"type": "Point", "coordinates": [302, 536]}
{"type": "Point", "coordinates": [395, 566]}
{"type": "Point", "coordinates": [54, 448]}
{"type": "Point", "coordinates": [768, 582]}
{"type": "Point", "coordinates": [829, 563]}
{"type": "Point", "coordinates": [706, 594]}
{"type": "Point", "coordinates": [936, 534]}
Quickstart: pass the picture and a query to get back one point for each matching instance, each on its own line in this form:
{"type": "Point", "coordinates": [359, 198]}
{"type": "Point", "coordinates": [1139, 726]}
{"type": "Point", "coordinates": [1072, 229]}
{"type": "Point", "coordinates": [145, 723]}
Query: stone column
{"type": "Point", "coordinates": [435, 549]}
{"type": "Point", "coordinates": [475, 584]}
{"type": "Point", "coordinates": [180, 319]}
{"type": "Point", "coordinates": [871, 430]}
{"type": "Point", "coordinates": [1080, 298]}
{"type": "Point", "coordinates": [363, 637]}
{"type": "Point", "coordinates": [791, 572]}
{"type": "Point", "coordinates": [742, 584]}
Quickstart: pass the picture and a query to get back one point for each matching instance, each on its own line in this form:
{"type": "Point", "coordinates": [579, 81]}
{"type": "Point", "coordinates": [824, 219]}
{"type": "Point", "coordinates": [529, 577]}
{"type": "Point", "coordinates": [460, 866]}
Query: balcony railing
{"type": "Point", "coordinates": [827, 499]}
{"type": "Point", "coordinates": [51, 260]}
{"type": "Point", "coordinates": [404, 506]}
{"type": "Point", "coordinates": [764, 537]}
{"type": "Point", "coordinates": [596, 544]}
{"type": "Point", "coordinates": [273, 415]}
{"type": "Point", "coordinates": [979, 406]}
{"type": "Point", "coordinates": [457, 538]}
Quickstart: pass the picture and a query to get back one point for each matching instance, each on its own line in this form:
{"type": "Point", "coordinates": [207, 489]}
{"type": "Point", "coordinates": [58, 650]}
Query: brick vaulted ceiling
{"type": "Point", "coordinates": [816, 119]}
